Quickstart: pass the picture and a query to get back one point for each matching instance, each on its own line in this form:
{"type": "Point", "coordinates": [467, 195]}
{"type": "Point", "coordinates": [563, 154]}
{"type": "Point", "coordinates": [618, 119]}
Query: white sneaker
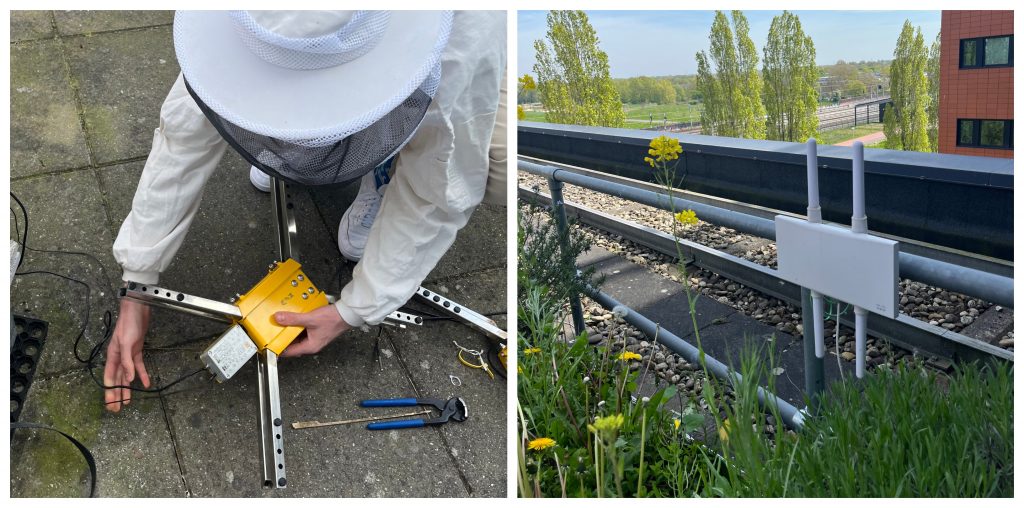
{"type": "Point", "coordinates": [354, 229]}
{"type": "Point", "coordinates": [259, 179]}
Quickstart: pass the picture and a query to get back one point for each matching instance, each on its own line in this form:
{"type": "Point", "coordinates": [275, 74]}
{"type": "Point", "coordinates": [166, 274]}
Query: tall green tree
{"type": "Point", "coordinates": [906, 122]}
{"type": "Point", "coordinates": [732, 91]}
{"type": "Point", "coordinates": [790, 79]}
{"type": "Point", "coordinates": [933, 92]}
{"type": "Point", "coordinates": [573, 80]}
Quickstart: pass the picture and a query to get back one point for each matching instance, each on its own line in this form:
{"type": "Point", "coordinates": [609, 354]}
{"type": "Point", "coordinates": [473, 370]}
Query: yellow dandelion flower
{"type": "Point", "coordinates": [675, 423]}
{"type": "Point", "coordinates": [686, 217]}
{"type": "Point", "coordinates": [531, 351]}
{"type": "Point", "coordinates": [607, 423]}
{"type": "Point", "coordinates": [541, 443]}
{"type": "Point", "coordinates": [663, 149]}
{"type": "Point", "coordinates": [629, 355]}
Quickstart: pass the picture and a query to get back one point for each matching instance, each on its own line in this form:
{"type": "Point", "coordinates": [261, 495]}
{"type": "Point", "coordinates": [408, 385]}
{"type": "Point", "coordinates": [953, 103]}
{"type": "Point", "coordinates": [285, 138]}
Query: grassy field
{"type": "Point", "coordinates": [839, 135]}
{"type": "Point", "coordinates": [639, 115]}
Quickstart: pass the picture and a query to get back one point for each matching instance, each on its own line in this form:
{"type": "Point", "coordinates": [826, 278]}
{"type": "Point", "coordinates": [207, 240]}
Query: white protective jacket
{"type": "Point", "coordinates": [440, 177]}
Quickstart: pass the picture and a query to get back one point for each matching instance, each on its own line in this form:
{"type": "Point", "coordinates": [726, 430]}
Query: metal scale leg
{"type": "Point", "coordinates": [271, 421]}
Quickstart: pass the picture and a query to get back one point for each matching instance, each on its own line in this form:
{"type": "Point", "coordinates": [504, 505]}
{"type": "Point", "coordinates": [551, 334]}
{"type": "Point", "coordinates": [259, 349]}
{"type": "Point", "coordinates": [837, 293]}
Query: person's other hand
{"type": "Point", "coordinates": [124, 354]}
{"type": "Point", "coordinates": [322, 325]}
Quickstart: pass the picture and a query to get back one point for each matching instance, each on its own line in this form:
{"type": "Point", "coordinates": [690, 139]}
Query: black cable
{"type": "Point", "coordinates": [90, 360]}
{"type": "Point", "coordinates": [89, 460]}
{"type": "Point", "coordinates": [24, 236]}
{"type": "Point", "coordinates": [17, 230]}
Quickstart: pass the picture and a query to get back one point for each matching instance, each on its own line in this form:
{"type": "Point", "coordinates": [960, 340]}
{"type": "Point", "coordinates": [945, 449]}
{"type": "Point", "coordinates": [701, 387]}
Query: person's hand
{"type": "Point", "coordinates": [124, 354]}
{"type": "Point", "coordinates": [323, 325]}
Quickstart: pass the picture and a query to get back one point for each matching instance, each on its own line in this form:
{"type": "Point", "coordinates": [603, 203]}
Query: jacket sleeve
{"type": "Point", "coordinates": [440, 176]}
{"type": "Point", "coordinates": [185, 153]}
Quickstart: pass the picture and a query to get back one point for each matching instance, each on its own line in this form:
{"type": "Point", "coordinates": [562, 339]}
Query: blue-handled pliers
{"type": "Point", "coordinates": [451, 409]}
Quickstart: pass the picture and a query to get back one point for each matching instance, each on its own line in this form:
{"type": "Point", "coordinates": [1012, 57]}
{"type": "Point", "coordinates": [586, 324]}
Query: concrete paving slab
{"type": "Point", "coordinates": [121, 82]}
{"type": "Point", "coordinates": [216, 428]}
{"type": "Point", "coordinates": [226, 251]}
{"type": "Point", "coordinates": [28, 25]}
{"type": "Point", "coordinates": [87, 22]}
{"type": "Point", "coordinates": [122, 79]}
{"type": "Point", "coordinates": [65, 213]}
{"type": "Point", "coordinates": [480, 245]}
{"type": "Point", "coordinates": [46, 134]}
{"type": "Point", "coordinates": [477, 445]}
{"type": "Point", "coordinates": [133, 449]}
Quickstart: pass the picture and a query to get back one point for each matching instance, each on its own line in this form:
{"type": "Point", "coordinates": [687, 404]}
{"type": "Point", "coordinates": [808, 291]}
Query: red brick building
{"type": "Point", "coordinates": [976, 83]}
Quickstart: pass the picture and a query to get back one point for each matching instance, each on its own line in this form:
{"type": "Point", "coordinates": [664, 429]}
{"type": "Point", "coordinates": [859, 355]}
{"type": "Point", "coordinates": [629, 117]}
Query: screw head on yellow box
{"type": "Point", "coordinates": [280, 290]}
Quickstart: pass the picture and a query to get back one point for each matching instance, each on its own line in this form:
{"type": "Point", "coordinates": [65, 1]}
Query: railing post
{"type": "Point", "coordinates": [558, 209]}
{"type": "Point", "coordinates": [814, 367]}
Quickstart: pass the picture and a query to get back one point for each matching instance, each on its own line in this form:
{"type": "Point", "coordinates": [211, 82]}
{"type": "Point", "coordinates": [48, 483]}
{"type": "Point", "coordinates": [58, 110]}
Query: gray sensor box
{"type": "Point", "coordinates": [228, 353]}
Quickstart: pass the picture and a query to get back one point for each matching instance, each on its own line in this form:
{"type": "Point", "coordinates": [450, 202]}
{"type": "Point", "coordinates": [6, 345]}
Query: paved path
{"type": "Point", "coordinates": [869, 139]}
{"type": "Point", "coordinates": [86, 89]}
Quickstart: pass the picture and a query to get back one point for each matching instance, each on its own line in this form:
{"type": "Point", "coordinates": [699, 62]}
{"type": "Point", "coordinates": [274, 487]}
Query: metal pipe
{"type": "Point", "coordinates": [738, 221]}
{"type": "Point", "coordinates": [558, 207]}
{"type": "Point", "coordinates": [814, 367]}
{"type": "Point", "coordinates": [789, 413]}
{"type": "Point", "coordinates": [989, 287]}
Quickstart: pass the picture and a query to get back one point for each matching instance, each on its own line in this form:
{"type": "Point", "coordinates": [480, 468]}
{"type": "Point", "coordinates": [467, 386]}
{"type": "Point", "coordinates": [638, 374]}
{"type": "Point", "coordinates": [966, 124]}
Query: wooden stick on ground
{"type": "Point", "coordinates": [312, 424]}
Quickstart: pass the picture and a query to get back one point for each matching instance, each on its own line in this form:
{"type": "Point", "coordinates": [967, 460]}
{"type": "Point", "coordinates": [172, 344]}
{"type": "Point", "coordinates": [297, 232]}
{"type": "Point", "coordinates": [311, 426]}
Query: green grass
{"type": "Point", "coordinates": [834, 136]}
{"type": "Point", "coordinates": [565, 390]}
{"type": "Point", "coordinates": [676, 113]}
{"type": "Point", "coordinates": [902, 432]}
{"type": "Point", "coordinates": [639, 115]}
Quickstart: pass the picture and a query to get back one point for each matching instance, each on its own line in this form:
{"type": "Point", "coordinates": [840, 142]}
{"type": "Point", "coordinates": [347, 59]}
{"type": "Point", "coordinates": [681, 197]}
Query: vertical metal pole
{"type": "Point", "coordinates": [271, 422]}
{"type": "Point", "coordinates": [814, 367]}
{"type": "Point", "coordinates": [558, 207]}
{"type": "Point", "coordinates": [284, 221]}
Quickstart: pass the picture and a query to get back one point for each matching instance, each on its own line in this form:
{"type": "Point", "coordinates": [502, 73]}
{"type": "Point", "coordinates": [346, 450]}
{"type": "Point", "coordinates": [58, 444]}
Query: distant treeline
{"type": "Point", "coordinates": [848, 79]}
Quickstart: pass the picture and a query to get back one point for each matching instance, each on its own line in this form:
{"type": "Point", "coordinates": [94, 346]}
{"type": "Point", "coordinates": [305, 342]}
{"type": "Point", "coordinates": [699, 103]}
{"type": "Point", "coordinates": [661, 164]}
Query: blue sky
{"type": "Point", "coordinates": [637, 40]}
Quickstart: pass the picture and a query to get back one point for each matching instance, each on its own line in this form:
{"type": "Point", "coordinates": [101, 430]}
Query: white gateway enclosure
{"type": "Point", "coordinates": [858, 269]}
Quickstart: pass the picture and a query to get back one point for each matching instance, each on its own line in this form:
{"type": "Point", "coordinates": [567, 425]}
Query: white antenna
{"type": "Point", "coordinates": [814, 215]}
{"type": "Point", "coordinates": [810, 251]}
{"type": "Point", "coordinates": [859, 225]}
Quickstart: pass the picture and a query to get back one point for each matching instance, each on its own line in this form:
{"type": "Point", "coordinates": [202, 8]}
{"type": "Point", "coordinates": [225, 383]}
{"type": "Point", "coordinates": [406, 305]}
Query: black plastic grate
{"type": "Point", "coordinates": [29, 338]}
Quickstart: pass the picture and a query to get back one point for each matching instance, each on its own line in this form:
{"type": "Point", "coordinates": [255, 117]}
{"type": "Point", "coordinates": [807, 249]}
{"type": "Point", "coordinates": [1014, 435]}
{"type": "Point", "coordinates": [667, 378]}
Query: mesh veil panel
{"type": "Point", "coordinates": [342, 161]}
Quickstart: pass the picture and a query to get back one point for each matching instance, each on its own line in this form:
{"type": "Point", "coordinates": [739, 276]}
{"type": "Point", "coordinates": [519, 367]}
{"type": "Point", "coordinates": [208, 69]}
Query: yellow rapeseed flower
{"type": "Point", "coordinates": [675, 423]}
{"type": "Point", "coordinates": [686, 217]}
{"type": "Point", "coordinates": [629, 355]}
{"type": "Point", "coordinates": [519, 369]}
{"type": "Point", "coordinates": [723, 431]}
{"type": "Point", "coordinates": [531, 351]}
{"type": "Point", "coordinates": [541, 443]}
{"type": "Point", "coordinates": [663, 149]}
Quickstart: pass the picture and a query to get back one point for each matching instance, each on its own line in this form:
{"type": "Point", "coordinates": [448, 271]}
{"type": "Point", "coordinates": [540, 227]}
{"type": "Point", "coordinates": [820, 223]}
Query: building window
{"type": "Point", "coordinates": [986, 52]}
{"type": "Point", "coordinates": [985, 133]}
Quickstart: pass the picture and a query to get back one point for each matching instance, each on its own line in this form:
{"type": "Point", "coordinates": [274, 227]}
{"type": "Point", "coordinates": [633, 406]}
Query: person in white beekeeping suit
{"type": "Point", "coordinates": [410, 102]}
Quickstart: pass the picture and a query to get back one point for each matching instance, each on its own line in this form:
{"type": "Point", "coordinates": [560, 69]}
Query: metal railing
{"type": "Point", "coordinates": [995, 288]}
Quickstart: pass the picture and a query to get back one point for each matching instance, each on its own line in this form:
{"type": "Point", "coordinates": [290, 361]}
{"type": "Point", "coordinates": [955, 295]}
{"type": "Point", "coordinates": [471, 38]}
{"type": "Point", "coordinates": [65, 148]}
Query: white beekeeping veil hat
{"type": "Point", "coordinates": [315, 97]}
